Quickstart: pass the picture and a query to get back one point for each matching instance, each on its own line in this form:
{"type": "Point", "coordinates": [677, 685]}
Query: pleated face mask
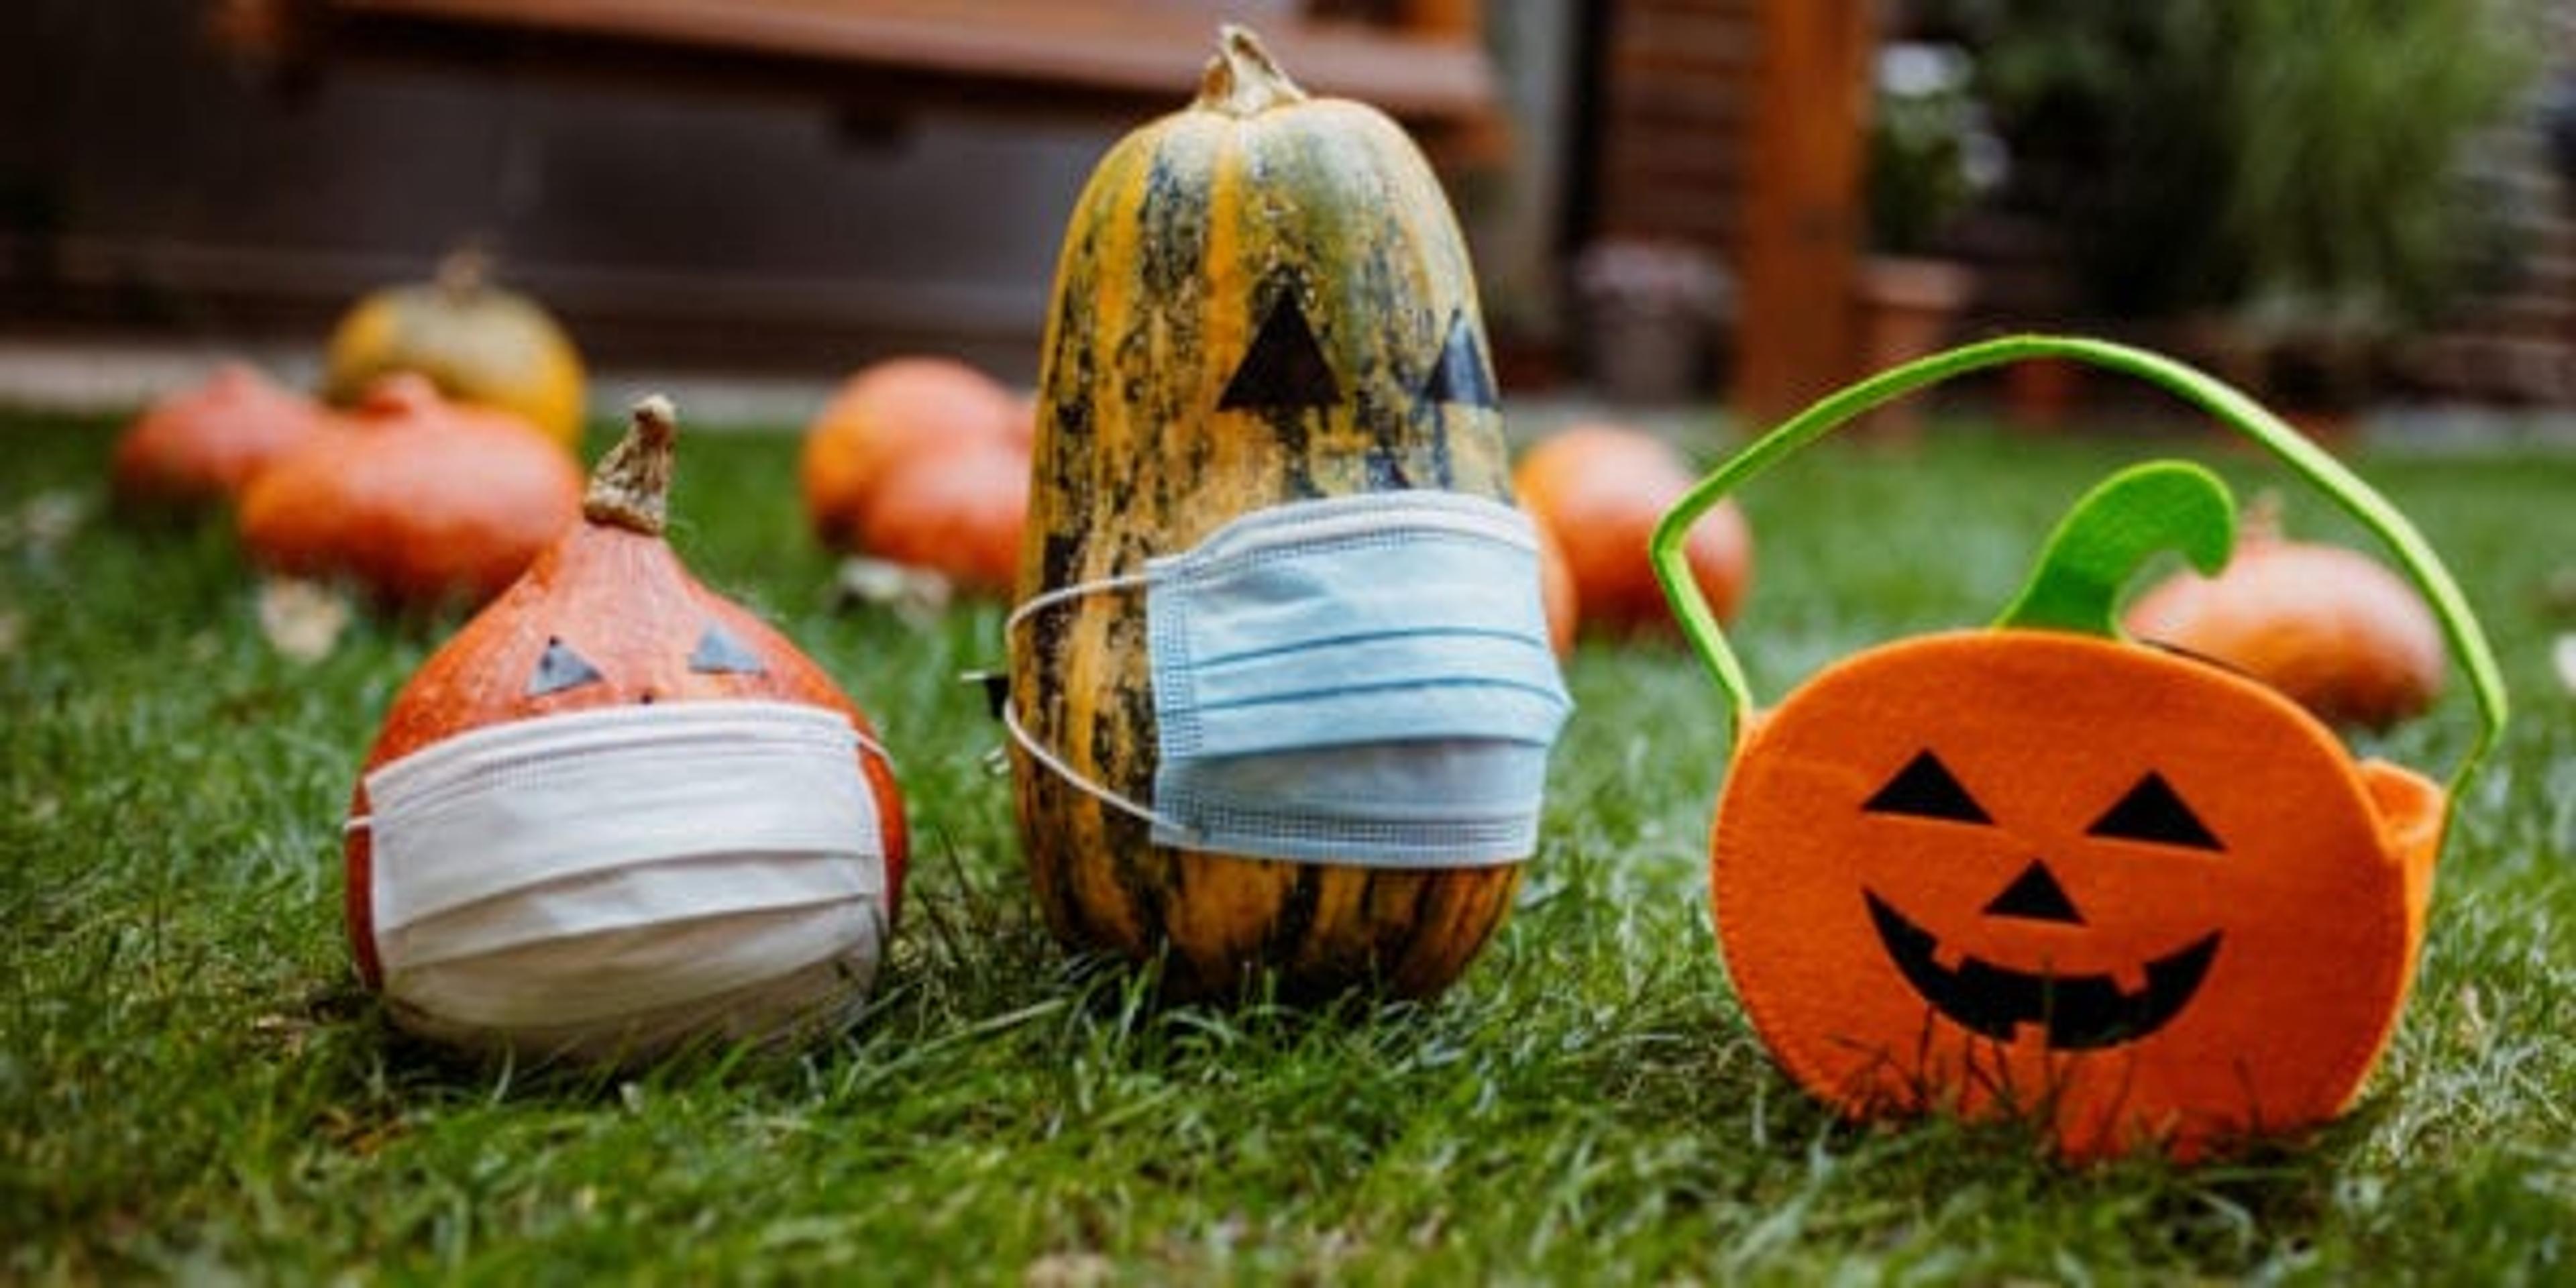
{"type": "Point", "coordinates": [1362, 679]}
{"type": "Point", "coordinates": [605, 878]}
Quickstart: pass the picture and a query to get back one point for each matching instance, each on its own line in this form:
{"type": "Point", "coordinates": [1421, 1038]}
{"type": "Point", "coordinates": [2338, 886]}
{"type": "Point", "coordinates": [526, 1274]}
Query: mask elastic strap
{"type": "Point", "coordinates": [1010, 706]}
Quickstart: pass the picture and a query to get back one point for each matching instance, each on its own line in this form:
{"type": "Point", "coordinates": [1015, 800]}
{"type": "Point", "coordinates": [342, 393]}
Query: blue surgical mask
{"type": "Point", "coordinates": [1362, 679]}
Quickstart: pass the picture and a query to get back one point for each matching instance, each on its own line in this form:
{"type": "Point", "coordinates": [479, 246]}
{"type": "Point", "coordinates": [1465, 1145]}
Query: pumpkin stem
{"type": "Point", "coordinates": [1242, 80]}
{"type": "Point", "coordinates": [464, 271]}
{"type": "Point", "coordinates": [2130, 517]}
{"type": "Point", "coordinates": [2260, 523]}
{"type": "Point", "coordinates": [631, 486]}
{"type": "Point", "coordinates": [403, 393]}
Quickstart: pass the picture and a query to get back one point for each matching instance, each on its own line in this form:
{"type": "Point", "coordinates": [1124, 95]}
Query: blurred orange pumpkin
{"type": "Point", "coordinates": [1601, 489]}
{"type": "Point", "coordinates": [201, 445]}
{"type": "Point", "coordinates": [420, 501]}
{"type": "Point", "coordinates": [476, 341]}
{"type": "Point", "coordinates": [958, 512]}
{"type": "Point", "coordinates": [1556, 588]}
{"type": "Point", "coordinates": [608, 616]}
{"type": "Point", "coordinates": [2331, 628]}
{"type": "Point", "coordinates": [887, 413]}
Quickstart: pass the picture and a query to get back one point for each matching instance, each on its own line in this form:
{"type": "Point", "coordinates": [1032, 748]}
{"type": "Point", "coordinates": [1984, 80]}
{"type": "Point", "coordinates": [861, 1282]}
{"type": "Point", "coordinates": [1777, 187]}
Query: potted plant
{"type": "Point", "coordinates": [2279, 185]}
{"type": "Point", "coordinates": [1930, 157]}
{"type": "Point", "coordinates": [1652, 312]}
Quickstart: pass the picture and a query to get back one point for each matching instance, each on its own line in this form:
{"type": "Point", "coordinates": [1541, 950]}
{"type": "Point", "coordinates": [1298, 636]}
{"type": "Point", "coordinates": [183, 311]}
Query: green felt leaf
{"type": "Point", "coordinates": [2113, 530]}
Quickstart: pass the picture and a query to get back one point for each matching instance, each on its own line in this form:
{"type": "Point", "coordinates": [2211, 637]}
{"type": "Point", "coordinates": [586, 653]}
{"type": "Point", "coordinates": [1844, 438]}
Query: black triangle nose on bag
{"type": "Point", "coordinates": [2035, 896]}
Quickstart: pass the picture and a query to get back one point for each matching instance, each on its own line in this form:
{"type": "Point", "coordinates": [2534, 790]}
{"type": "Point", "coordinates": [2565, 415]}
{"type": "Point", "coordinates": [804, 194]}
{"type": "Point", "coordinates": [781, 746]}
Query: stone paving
{"type": "Point", "coordinates": [104, 377]}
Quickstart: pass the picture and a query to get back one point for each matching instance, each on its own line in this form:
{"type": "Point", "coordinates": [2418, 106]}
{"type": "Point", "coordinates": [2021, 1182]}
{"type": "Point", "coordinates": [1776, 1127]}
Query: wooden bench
{"type": "Point", "coordinates": [1423, 62]}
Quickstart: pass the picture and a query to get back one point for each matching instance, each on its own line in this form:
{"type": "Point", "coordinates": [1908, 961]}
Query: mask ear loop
{"type": "Point", "coordinates": [1011, 715]}
{"type": "Point", "coordinates": [2460, 627]}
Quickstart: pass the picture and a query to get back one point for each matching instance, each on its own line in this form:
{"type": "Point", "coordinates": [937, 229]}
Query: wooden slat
{"type": "Point", "coordinates": [1802, 219]}
{"type": "Point", "coordinates": [1092, 50]}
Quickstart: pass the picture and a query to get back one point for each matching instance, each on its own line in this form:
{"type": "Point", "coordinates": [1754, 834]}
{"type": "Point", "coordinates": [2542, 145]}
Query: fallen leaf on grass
{"type": "Point", "coordinates": [301, 619]}
{"type": "Point", "coordinates": [44, 523]}
{"type": "Point", "coordinates": [1069, 1270]}
{"type": "Point", "coordinates": [357, 1133]}
{"type": "Point", "coordinates": [288, 1031]}
{"type": "Point", "coordinates": [2473, 1030]}
{"type": "Point", "coordinates": [2558, 594]}
{"type": "Point", "coordinates": [2564, 654]}
{"type": "Point", "coordinates": [913, 594]}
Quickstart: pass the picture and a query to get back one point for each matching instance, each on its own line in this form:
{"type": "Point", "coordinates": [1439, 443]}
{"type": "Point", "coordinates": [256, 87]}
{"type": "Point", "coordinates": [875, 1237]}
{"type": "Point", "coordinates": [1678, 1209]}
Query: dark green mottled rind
{"type": "Point", "coordinates": [1186, 234]}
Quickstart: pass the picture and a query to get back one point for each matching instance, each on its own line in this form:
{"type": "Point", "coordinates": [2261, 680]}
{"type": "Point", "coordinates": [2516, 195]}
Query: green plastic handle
{"type": "Point", "coordinates": [2460, 627]}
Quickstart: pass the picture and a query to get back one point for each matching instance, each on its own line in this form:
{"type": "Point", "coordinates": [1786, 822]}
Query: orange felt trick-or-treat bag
{"type": "Point", "coordinates": [2041, 870]}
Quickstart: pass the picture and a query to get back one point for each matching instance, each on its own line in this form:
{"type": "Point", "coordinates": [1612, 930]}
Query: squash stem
{"type": "Point", "coordinates": [1242, 80]}
{"type": "Point", "coordinates": [463, 272]}
{"type": "Point", "coordinates": [631, 486]}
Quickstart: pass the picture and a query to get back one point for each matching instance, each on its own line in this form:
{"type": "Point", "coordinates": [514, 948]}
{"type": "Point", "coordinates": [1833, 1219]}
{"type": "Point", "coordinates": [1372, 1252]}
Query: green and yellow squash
{"type": "Point", "coordinates": [476, 340]}
{"type": "Point", "coordinates": [1262, 298]}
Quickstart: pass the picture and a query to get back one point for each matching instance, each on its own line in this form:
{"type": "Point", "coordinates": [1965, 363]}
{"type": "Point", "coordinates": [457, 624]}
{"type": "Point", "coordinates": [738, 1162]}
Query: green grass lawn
{"type": "Point", "coordinates": [192, 1082]}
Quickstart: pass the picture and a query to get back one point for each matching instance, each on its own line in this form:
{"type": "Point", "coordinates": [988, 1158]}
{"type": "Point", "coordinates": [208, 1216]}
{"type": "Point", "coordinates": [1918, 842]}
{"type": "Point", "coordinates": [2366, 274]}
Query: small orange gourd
{"type": "Point", "coordinates": [421, 501]}
{"type": "Point", "coordinates": [1600, 489]}
{"type": "Point", "coordinates": [203, 444]}
{"type": "Point", "coordinates": [883, 417]}
{"type": "Point", "coordinates": [1556, 589]}
{"type": "Point", "coordinates": [2044, 871]}
{"type": "Point", "coordinates": [958, 512]}
{"type": "Point", "coordinates": [2328, 626]}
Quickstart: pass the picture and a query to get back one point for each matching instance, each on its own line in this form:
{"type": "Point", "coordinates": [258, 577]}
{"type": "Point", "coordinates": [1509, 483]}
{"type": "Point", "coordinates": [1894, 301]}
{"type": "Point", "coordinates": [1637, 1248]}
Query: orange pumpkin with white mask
{"type": "Point", "coordinates": [609, 619]}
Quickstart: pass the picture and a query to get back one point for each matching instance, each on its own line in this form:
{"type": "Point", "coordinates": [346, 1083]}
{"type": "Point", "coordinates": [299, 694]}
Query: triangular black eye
{"type": "Point", "coordinates": [1285, 366]}
{"type": "Point", "coordinates": [719, 653]}
{"type": "Point", "coordinates": [1460, 376]}
{"type": "Point", "coordinates": [1925, 788]}
{"type": "Point", "coordinates": [2153, 811]}
{"type": "Point", "coordinates": [559, 668]}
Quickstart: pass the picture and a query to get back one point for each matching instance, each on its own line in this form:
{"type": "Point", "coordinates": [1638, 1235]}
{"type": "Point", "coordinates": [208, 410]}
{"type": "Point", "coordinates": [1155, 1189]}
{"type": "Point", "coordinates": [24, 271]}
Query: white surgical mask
{"type": "Point", "coordinates": [1361, 679]}
{"type": "Point", "coordinates": [616, 880]}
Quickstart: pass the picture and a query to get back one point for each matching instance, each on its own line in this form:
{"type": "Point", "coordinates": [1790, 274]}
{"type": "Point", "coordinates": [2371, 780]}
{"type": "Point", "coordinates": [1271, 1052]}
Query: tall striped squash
{"type": "Point", "coordinates": [1262, 298]}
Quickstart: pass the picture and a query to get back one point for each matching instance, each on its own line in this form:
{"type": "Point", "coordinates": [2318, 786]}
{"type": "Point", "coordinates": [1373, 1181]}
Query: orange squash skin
{"type": "Point", "coordinates": [960, 512]}
{"type": "Point", "coordinates": [203, 445]}
{"type": "Point", "coordinates": [421, 501]}
{"type": "Point", "coordinates": [884, 417]}
{"type": "Point", "coordinates": [1601, 489]}
{"type": "Point", "coordinates": [1191, 232]}
{"type": "Point", "coordinates": [2330, 627]}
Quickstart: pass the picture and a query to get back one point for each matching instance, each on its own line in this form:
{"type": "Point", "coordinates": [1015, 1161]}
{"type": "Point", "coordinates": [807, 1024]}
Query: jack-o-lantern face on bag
{"type": "Point", "coordinates": [2035, 872]}
{"type": "Point", "coordinates": [2043, 871]}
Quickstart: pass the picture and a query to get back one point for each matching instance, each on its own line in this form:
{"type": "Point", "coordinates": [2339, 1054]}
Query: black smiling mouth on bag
{"type": "Point", "coordinates": [2078, 1012]}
